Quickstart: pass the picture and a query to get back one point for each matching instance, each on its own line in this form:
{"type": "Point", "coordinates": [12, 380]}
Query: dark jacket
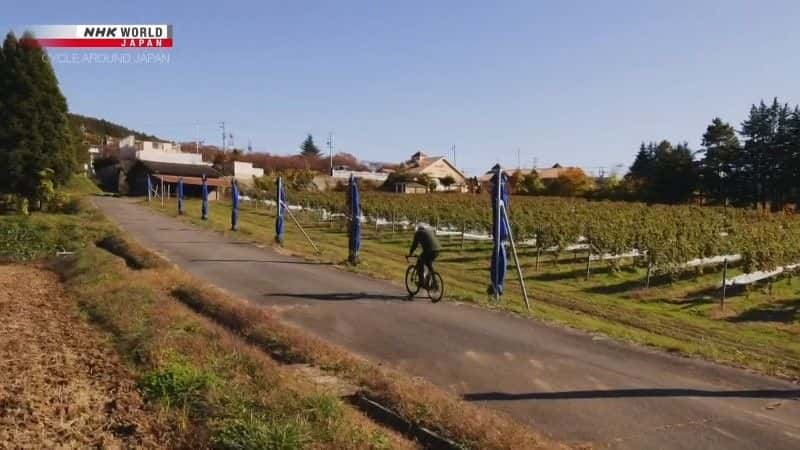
{"type": "Point", "coordinates": [427, 240]}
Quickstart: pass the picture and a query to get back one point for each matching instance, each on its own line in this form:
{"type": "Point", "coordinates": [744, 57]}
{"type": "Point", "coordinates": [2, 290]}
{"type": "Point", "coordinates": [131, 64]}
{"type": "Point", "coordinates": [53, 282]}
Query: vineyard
{"type": "Point", "coordinates": [666, 237]}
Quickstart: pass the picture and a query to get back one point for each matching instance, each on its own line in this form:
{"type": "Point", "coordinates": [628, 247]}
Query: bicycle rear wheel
{"type": "Point", "coordinates": [412, 280]}
{"type": "Point", "coordinates": [437, 291]}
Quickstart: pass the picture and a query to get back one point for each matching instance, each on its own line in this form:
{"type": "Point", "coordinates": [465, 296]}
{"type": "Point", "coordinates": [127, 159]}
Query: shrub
{"type": "Point", "coordinates": [22, 240]}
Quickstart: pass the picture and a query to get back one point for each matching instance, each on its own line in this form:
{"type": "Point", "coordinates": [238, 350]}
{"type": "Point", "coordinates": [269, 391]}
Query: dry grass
{"type": "Point", "coordinates": [62, 384]}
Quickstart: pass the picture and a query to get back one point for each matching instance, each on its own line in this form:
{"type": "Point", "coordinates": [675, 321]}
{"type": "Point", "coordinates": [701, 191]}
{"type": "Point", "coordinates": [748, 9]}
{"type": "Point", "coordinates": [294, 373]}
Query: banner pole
{"type": "Point", "coordinates": [498, 186]}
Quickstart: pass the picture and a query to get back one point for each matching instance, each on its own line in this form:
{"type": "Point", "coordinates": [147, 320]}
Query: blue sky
{"type": "Point", "coordinates": [579, 83]}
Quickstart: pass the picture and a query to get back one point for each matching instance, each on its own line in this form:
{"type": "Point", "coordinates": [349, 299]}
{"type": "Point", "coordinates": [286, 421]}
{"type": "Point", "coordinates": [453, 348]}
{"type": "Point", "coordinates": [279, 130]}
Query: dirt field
{"type": "Point", "coordinates": [62, 386]}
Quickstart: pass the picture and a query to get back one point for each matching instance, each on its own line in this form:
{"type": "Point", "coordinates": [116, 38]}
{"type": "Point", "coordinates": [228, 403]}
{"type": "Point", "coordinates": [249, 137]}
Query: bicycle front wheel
{"type": "Point", "coordinates": [412, 280]}
{"type": "Point", "coordinates": [437, 290]}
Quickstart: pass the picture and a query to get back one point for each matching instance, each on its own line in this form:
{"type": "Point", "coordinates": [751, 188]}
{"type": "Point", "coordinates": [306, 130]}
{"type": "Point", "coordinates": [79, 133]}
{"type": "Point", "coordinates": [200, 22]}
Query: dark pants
{"type": "Point", "coordinates": [426, 259]}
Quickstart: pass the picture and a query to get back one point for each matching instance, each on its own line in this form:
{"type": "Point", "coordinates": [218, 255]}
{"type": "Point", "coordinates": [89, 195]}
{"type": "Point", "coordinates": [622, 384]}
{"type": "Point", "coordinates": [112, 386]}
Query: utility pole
{"type": "Point", "coordinates": [455, 161]}
{"type": "Point", "coordinates": [222, 125]}
{"type": "Point", "coordinates": [519, 161]}
{"type": "Point", "coordinates": [330, 149]}
{"type": "Point", "coordinates": [197, 140]}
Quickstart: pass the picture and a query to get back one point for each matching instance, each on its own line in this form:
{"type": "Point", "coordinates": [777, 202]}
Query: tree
{"type": "Point", "coordinates": [309, 149]}
{"type": "Point", "coordinates": [571, 182]}
{"type": "Point", "coordinates": [610, 188]}
{"type": "Point", "coordinates": [35, 136]}
{"type": "Point", "coordinates": [719, 170]}
{"type": "Point", "coordinates": [427, 181]}
{"type": "Point", "coordinates": [767, 156]}
{"type": "Point", "coordinates": [395, 178]}
{"type": "Point", "coordinates": [447, 181]}
{"type": "Point", "coordinates": [473, 185]}
{"type": "Point", "coordinates": [662, 173]}
{"type": "Point", "coordinates": [531, 184]}
{"type": "Point", "coordinates": [514, 181]}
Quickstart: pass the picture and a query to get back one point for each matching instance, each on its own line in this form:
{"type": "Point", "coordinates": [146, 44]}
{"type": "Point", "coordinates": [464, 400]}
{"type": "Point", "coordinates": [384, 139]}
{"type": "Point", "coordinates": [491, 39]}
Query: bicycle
{"type": "Point", "coordinates": [414, 284]}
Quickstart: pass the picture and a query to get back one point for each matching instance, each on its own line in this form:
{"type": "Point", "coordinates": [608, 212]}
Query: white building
{"type": "Point", "coordinates": [242, 171]}
{"type": "Point", "coordinates": [131, 148]}
{"type": "Point", "coordinates": [344, 174]}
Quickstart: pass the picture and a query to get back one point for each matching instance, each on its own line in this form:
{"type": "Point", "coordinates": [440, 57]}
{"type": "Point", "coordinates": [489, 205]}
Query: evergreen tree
{"type": "Point", "coordinates": [792, 168]}
{"type": "Point", "coordinates": [766, 153]}
{"type": "Point", "coordinates": [309, 149]}
{"type": "Point", "coordinates": [4, 123]}
{"type": "Point", "coordinates": [36, 144]}
{"type": "Point", "coordinates": [663, 173]}
{"type": "Point", "coordinates": [720, 167]}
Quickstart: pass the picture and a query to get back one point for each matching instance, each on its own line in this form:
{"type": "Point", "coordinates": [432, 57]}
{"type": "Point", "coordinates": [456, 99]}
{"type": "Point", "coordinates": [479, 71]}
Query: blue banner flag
{"type": "Point", "coordinates": [204, 205]}
{"type": "Point", "coordinates": [234, 206]}
{"type": "Point", "coordinates": [280, 200]}
{"type": "Point", "coordinates": [149, 188]}
{"type": "Point", "coordinates": [180, 196]}
{"type": "Point", "coordinates": [500, 230]}
{"type": "Point", "coordinates": [355, 220]}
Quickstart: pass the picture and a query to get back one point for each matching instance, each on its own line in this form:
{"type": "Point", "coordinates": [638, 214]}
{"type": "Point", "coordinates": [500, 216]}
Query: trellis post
{"type": "Point", "coordinates": [588, 262]}
{"type": "Point", "coordinates": [724, 282]}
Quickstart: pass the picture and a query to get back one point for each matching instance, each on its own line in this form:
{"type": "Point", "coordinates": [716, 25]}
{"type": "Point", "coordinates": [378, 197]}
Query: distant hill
{"type": "Point", "coordinates": [97, 128]}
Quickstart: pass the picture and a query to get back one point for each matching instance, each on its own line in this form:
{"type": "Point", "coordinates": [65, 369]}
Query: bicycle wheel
{"type": "Point", "coordinates": [412, 280]}
{"type": "Point", "coordinates": [437, 292]}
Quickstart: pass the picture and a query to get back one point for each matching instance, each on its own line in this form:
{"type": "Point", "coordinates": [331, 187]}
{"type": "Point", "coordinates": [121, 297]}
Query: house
{"type": "Point", "coordinates": [344, 173]}
{"type": "Point", "coordinates": [94, 153]}
{"type": "Point", "coordinates": [545, 174]}
{"type": "Point", "coordinates": [242, 171]}
{"type": "Point", "coordinates": [131, 148]}
{"type": "Point", "coordinates": [340, 176]}
{"type": "Point", "coordinates": [164, 163]}
{"type": "Point", "coordinates": [164, 177]}
{"type": "Point", "coordinates": [410, 187]}
{"type": "Point", "coordinates": [437, 168]}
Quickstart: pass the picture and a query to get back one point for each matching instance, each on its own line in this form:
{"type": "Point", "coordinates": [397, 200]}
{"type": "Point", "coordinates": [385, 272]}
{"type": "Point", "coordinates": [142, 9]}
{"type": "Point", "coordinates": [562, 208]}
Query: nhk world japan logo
{"type": "Point", "coordinates": [104, 36]}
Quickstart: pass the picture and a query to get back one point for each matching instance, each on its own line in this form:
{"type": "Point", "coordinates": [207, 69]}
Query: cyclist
{"type": "Point", "coordinates": [426, 239]}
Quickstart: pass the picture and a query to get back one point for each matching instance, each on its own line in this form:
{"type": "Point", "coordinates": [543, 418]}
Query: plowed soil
{"type": "Point", "coordinates": [61, 384]}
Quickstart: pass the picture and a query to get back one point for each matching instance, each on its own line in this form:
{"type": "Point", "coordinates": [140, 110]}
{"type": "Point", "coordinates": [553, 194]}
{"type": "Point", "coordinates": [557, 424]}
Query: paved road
{"type": "Point", "coordinates": [572, 386]}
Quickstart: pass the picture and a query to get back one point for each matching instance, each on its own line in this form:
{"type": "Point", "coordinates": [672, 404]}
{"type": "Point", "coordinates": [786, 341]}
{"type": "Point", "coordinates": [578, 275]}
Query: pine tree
{"type": "Point", "coordinates": [663, 173]}
{"type": "Point", "coordinates": [720, 167]}
{"type": "Point", "coordinates": [766, 152]}
{"type": "Point", "coordinates": [36, 143]}
{"type": "Point", "coordinates": [4, 124]}
{"type": "Point", "coordinates": [309, 149]}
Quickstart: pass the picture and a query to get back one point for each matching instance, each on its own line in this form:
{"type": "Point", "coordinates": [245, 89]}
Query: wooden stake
{"type": "Point", "coordinates": [724, 282]}
{"type": "Point", "coordinates": [588, 262]}
{"type": "Point", "coordinates": [516, 260]}
{"type": "Point", "coordinates": [296, 222]}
